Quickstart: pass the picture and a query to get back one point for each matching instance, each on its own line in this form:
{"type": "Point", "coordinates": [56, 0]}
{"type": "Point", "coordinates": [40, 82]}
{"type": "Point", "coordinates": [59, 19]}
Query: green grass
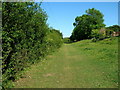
{"type": "Point", "coordinates": [83, 64]}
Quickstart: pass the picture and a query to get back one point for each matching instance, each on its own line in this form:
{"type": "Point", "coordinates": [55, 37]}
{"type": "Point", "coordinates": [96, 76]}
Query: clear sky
{"type": "Point", "coordinates": [61, 15]}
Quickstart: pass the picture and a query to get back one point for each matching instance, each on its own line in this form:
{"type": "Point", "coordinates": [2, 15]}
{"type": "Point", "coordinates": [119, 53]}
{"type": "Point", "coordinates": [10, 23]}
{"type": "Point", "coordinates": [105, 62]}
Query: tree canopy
{"type": "Point", "coordinates": [93, 19]}
{"type": "Point", "coordinates": [115, 28]}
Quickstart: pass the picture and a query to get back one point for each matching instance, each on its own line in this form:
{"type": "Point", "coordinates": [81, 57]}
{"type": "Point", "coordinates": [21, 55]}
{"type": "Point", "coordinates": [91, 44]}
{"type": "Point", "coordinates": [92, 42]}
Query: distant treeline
{"type": "Point", "coordinates": [26, 38]}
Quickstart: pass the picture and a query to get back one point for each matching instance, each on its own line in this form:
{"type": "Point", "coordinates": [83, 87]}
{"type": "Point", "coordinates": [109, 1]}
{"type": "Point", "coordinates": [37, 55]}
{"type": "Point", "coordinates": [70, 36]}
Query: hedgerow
{"type": "Point", "coordinates": [26, 38]}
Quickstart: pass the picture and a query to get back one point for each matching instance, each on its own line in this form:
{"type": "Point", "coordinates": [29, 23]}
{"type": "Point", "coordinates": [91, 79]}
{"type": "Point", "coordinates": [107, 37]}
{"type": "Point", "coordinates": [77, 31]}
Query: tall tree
{"type": "Point", "coordinates": [93, 19]}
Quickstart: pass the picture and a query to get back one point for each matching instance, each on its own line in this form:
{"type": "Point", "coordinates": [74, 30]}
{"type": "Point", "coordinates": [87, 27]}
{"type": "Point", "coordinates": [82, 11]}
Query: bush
{"type": "Point", "coordinates": [97, 34]}
{"type": "Point", "coordinates": [23, 38]}
{"type": "Point", "coordinates": [53, 39]}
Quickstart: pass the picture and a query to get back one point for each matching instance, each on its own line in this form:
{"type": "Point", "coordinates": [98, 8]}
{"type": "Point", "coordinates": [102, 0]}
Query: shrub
{"type": "Point", "coordinates": [23, 38]}
{"type": "Point", "coordinates": [53, 39]}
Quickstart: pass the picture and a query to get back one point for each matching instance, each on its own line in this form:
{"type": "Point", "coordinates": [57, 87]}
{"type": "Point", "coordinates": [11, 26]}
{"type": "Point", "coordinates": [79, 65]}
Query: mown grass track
{"type": "Point", "coordinates": [84, 64]}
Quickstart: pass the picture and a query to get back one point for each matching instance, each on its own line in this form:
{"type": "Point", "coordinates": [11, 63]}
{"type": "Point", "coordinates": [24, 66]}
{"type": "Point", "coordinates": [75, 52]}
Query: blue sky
{"type": "Point", "coordinates": [61, 15]}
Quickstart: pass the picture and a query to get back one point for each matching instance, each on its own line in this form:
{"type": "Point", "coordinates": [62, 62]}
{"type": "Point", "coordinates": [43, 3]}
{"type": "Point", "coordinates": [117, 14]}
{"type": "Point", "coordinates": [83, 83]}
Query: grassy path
{"type": "Point", "coordinates": [66, 68]}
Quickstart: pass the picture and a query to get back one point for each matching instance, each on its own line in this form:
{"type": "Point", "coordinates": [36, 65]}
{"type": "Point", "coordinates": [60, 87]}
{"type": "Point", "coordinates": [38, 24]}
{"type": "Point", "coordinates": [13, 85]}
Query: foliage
{"type": "Point", "coordinates": [67, 40]}
{"type": "Point", "coordinates": [95, 33]}
{"type": "Point", "coordinates": [109, 32]}
{"type": "Point", "coordinates": [98, 34]}
{"type": "Point", "coordinates": [53, 39]}
{"type": "Point", "coordinates": [93, 19]}
{"type": "Point", "coordinates": [23, 38]}
{"type": "Point", "coordinates": [115, 28]}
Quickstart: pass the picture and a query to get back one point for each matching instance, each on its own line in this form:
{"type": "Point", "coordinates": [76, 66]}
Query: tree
{"type": "Point", "coordinates": [115, 28]}
{"type": "Point", "coordinates": [93, 19]}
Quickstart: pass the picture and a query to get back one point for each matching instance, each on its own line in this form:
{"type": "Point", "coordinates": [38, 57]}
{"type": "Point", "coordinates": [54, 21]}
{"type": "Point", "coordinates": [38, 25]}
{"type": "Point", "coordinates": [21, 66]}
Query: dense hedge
{"type": "Point", "coordinates": [26, 38]}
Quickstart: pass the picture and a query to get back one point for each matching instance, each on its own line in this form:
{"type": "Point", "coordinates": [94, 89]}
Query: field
{"type": "Point", "coordinates": [83, 64]}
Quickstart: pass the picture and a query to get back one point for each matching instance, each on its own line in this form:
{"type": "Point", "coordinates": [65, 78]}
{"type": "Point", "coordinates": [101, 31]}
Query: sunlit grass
{"type": "Point", "coordinates": [84, 64]}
